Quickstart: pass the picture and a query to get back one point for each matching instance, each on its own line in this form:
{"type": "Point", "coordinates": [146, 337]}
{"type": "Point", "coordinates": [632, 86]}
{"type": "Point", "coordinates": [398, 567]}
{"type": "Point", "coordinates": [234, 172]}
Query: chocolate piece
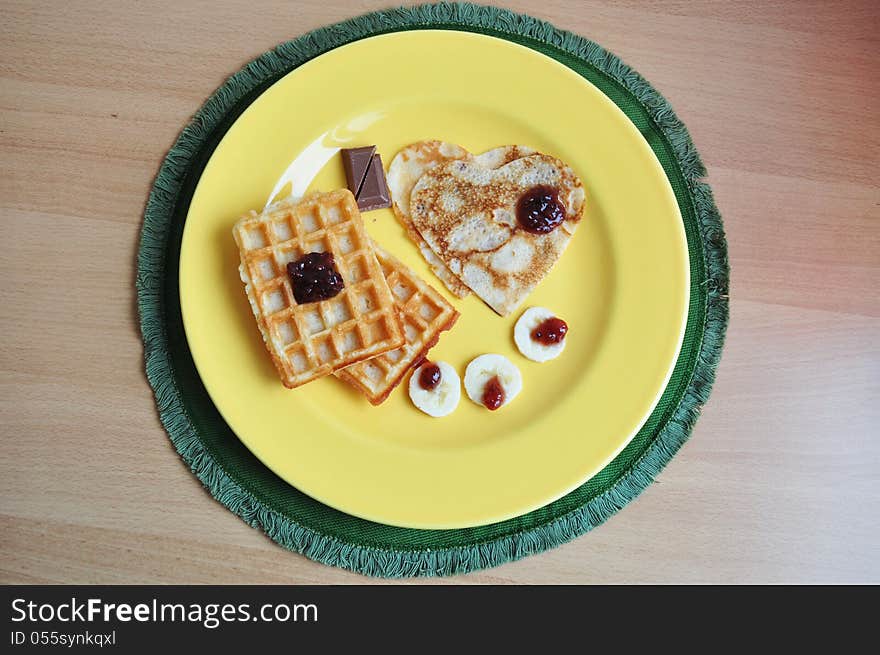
{"type": "Point", "coordinates": [374, 191]}
{"type": "Point", "coordinates": [356, 161]}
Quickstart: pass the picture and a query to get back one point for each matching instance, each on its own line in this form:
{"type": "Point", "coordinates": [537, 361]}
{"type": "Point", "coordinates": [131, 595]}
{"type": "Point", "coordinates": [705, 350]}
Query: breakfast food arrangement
{"type": "Point", "coordinates": [328, 300]}
{"type": "Point", "coordinates": [473, 301]}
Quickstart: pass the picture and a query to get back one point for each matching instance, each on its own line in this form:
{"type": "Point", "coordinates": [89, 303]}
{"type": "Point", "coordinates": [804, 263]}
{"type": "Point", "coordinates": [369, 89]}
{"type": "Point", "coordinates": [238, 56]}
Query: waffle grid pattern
{"type": "Point", "coordinates": [314, 339]}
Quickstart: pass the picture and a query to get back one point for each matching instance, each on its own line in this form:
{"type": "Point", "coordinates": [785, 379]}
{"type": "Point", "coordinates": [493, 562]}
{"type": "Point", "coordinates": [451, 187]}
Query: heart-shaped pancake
{"type": "Point", "coordinates": [499, 230]}
{"type": "Point", "coordinates": [410, 163]}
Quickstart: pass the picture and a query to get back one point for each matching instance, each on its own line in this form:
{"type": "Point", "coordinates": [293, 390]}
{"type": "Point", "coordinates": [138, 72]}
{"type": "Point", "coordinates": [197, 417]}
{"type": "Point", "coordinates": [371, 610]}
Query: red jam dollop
{"type": "Point", "coordinates": [429, 377]}
{"type": "Point", "coordinates": [550, 332]}
{"type": "Point", "coordinates": [493, 394]}
{"type": "Point", "coordinates": [314, 277]}
{"type": "Point", "coordinates": [539, 210]}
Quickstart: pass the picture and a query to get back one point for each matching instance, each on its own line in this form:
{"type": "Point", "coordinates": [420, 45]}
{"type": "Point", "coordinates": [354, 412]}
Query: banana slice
{"type": "Point", "coordinates": [492, 381]}
{"type": "Point", "coordinates": [530, 347]}
{"type": "Point", "coordinates": [443, 398]}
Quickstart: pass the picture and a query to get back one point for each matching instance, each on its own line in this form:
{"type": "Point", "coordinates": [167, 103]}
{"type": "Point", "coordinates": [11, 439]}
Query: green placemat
{"type": "Point", "coordinates": [238, 480]}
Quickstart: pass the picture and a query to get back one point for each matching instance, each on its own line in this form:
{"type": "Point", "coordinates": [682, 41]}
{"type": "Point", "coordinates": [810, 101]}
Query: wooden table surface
{"type": "Point", "coordinates": [779, 482]}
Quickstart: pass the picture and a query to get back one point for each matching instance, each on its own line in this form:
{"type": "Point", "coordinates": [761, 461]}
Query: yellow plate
{"type": "Point", "coordinates": [622, 284]}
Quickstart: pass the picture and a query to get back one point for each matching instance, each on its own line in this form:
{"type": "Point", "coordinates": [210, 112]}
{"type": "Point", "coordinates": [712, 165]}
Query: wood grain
{"type": "Point", "coordinates": [780, 480]}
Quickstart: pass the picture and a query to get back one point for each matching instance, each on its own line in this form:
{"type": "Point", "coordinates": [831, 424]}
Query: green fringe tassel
{"type": "Point", "coordinates": [447, 561]}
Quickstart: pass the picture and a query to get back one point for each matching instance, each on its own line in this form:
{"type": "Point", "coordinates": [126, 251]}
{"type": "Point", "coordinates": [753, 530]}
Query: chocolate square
{"type": "Point", "coordinates": [374, 190]}
{"type": "Point", "coordinates": [356, 161]}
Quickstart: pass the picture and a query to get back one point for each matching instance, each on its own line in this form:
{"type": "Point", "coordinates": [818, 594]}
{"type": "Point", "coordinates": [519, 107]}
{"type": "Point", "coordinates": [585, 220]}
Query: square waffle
{"type": "Point", "coordinates": [424, 313]}
{"type": "Point", "coordinates": [310, 340]}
